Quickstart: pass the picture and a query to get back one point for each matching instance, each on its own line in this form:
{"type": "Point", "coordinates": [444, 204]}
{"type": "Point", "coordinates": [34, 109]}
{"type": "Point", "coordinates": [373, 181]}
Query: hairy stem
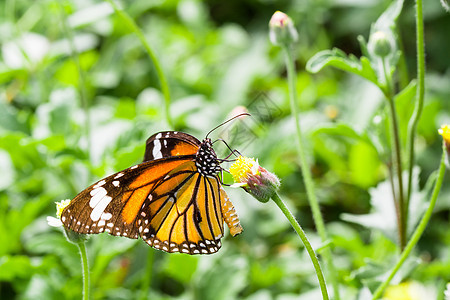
{"type": "Point", "coordinates": [303, 237]}
{"type": "Point", "coordinates": [396, 160]}
{"type": "Point", "coordinates": [419, 230]}
{"type": "Point", "coordinates": [412, 125]}
{"type": "Point", "coordinates": [85, 267]}
{"type": "Point", "coordinates": [306, 172]}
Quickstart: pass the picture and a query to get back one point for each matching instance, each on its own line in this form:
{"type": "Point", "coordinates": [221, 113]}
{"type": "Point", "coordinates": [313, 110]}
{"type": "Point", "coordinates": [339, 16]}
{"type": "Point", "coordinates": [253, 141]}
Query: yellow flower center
{"type": "Point", "coordinates": [242, 168]}
{"type": "Point", "coordinates": [445, 132]}
{"type": "Point", "coordinates": [60, 207]}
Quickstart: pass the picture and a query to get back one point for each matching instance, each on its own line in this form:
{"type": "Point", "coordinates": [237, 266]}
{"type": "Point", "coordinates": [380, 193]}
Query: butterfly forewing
{"type": "Point", "coordinates": [112, 204]}
{"type": "Point", "coordinates": [170, 143]}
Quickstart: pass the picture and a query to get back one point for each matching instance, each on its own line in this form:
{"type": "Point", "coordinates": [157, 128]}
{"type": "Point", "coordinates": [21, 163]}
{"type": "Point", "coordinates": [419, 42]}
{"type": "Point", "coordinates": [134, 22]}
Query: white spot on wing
{"type": "Point", "coordinates": [157, 149]}
{"type": "Point", "coordinates": [97, 195]}
{"type": "Point", "coordinates": [106, 216]}
{"type": "Point", "coordinates": [118, 175]}
{"type": "Point", "coordinates": [116, 183]}
{"type": "Point", "coordinates": [99, 184]}
{"type": "Point", "coordinates": [100, 207]}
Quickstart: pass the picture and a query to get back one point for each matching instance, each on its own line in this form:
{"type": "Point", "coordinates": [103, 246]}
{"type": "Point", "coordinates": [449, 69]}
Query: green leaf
{"type": "Point", "coordinates": [338, 59]}
{"type": "Point", "coordinates": [224, 280]}
{"type": "Point", "coordinates": [383, 216]}
{"type": "Point", "coordinates": [389, 16]}
{"type": "Point", "coordinates": [405, 105]}
{"type": "Point", "coordinates": [343, 130]}
{"type": "Point", "coordinates": [177, 262]}
{"type": "Point", "coordinates": [364, 164]}
{"type": "Point", "coordinates": [13, 267]}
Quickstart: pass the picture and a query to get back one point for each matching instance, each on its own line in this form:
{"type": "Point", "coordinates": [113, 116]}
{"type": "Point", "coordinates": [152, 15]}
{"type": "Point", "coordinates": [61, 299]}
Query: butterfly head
{"type": "Point", "coordinates": [206, 159]}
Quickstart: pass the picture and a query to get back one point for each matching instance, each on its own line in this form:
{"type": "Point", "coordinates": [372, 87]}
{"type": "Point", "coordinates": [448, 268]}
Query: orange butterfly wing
{"type": "Point", "coordinates": [112, 204]}
{"type": "Point", "coordinates": [165, 201]}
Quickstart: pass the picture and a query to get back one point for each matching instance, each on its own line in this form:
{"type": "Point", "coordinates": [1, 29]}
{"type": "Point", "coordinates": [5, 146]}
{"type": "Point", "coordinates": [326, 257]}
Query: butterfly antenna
{"type": "Point", "coordinates": [229, 120]}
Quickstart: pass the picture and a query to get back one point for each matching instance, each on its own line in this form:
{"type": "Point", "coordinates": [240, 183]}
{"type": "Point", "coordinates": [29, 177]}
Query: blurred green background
{"type": "Point", "coordinates": [216, 56]}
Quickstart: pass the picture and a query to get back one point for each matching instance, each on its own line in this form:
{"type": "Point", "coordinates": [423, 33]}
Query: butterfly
{"type": "Point", "coordinates": [174, 200]}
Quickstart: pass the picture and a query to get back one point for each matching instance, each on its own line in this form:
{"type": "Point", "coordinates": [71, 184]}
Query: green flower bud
{"type": "Point", "coordinates": [281, 30]}
{"type": "Point", "coordinates": [381, 44]}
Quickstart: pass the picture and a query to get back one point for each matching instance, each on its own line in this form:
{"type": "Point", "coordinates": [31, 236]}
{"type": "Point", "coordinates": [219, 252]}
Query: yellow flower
{"type": "Point", "coordinates": [254, 179]}
{"type": "Point", "coordinates": [408, 291]}
{"type": "Point", "coordinates": [242, 168]}
{"type": "Point", "coordinates": [60, 206]}
{"type": "Point", "coordinates": [445, 132]}
{"type": "Point", "coordinates": [56, 222]}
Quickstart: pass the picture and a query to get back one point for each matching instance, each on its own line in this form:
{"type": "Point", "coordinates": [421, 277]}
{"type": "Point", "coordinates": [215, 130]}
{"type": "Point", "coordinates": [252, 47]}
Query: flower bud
{"type": "Point", "coordinates": [281, 30]}
{"type": "Point", "coordinates": [254, 179]}
{"type": "Point", "coordinates": [381, 44]}
{"type": "Point", "coordinates": [445, 132]}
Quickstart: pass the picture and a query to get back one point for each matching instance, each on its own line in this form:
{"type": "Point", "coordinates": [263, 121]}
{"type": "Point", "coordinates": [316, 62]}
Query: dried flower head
{"type": "Point", "coordinates": [255, 180]}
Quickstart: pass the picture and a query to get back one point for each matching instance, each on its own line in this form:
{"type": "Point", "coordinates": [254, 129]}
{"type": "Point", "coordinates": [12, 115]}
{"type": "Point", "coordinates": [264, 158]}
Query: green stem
{"type": "Point", "coordinates": [302, 235]}
{"type": "Point", "coordinates": [162, 78]}
{"type": "Point", "coordinates": [412, 125]}
{"type": "Point", "coordinates": [396, 160]}
{"type": "Point", "coordinates": [85, 265]}
{"type": "Point", "coordinates": [306, 172]}
{"type": "Point", "coordinates": [419, 230]}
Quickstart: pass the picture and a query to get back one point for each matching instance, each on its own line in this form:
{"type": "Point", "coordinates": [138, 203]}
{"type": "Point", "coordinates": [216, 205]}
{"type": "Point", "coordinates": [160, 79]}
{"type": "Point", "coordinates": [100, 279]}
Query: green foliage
{"type": "Point", "coordinates": [79, 96]}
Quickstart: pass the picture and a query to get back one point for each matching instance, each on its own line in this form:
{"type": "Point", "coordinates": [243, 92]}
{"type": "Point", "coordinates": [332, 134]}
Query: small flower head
{"type": "Point", "coordinates": [71, 236]}
{"type": "Point", "coordinates": [255, 180]}
{"type": "Point", "coordinates": [56, 222]}
{"type": "Point", "coordinates": [381, 44]}
{"type": "Point", "coordinates": [281, 30]}
{"type": "Point", "coordinates": [60, 206]}
{"type": "Point", "coordinates": [445, 132]}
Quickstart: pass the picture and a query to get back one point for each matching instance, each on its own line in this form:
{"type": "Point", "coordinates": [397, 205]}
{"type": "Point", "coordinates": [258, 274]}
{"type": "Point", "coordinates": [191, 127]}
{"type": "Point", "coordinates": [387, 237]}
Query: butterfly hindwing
{"type": "Point", "coordinates": [170, 143]}
{"type": "Point", "coordinates": [187, 218]}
